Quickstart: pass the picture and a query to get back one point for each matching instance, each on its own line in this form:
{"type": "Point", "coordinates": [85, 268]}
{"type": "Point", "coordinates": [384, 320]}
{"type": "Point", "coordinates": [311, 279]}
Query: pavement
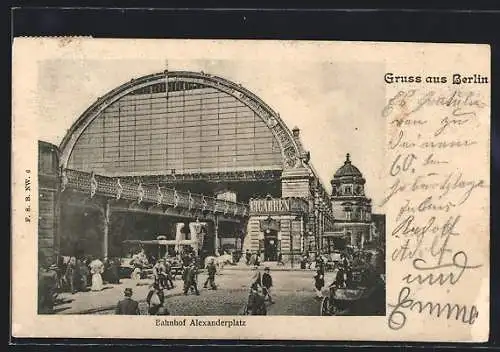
{"type": "Point", "coordinates": [293, 293]}
{"type": "Point", "coordinates": [272, 266]}
{"type": "Point", "coordinates": [233, 286]}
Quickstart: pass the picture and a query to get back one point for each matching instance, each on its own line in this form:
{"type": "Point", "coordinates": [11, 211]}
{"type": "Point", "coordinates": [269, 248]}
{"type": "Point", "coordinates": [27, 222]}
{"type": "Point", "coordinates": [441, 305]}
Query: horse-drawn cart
{"type": "Point", "coordinates": [363, 293]}
{"type": "Point", "coordinates": [342, 301]}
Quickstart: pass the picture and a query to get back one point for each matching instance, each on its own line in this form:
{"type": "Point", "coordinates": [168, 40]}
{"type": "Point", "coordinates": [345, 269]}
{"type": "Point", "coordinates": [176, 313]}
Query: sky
{"type": "Point", "coordinates": [335, 104]}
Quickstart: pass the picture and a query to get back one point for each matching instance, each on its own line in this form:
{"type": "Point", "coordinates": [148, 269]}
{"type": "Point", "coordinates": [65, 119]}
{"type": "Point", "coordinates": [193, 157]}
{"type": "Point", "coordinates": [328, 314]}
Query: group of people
{"type": "Point", "coordinates": [190, 275]}
{"type": "Point", "coordinates": [342, 278]}
{"type": "Point", "coordinates": [163, 279]}
{"type": "Point", "coordinates": [255, 258]}
{"type": "Point", "coordinates": [74, 274]}
{"type": "Point", "coordinates": [260, 292]}
{"type": "Point", "coordinates": [80, 272]}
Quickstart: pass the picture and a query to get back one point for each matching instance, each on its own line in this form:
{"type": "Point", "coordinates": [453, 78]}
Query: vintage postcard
{"type": "Point", "coordinates": [202, 189]}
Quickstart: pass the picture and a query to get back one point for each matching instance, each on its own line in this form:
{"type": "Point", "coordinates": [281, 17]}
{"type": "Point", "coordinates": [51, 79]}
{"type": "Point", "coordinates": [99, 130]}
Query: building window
{"type": "Point", "coordinates": [348, 190]}
{"type": "Point", "coordinates": [334, 190]}
{"type": "Point", "coordinates": [348, 214]}
{"type": "Point", "coordinates": [356, 215]}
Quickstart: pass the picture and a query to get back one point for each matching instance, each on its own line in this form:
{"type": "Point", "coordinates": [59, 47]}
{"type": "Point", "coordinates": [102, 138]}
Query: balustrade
{"type": "Point", "coordinates": [120, 189]}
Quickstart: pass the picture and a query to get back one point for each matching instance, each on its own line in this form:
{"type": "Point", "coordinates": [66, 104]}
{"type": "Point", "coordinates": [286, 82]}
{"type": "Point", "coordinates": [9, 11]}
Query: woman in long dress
{"type": "Point", "coordinates": [96, 269]}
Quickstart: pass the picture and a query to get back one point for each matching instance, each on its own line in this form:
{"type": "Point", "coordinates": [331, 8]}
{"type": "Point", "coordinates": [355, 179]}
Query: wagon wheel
{"type": "Point", "coordinates": [326, 308]}
{"type": "Point", "coordinates": [244, 310]}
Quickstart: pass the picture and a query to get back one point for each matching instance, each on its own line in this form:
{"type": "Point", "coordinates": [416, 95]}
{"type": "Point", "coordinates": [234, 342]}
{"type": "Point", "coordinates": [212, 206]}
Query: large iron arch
{"type": "Point", "coordinates": [290, 151]}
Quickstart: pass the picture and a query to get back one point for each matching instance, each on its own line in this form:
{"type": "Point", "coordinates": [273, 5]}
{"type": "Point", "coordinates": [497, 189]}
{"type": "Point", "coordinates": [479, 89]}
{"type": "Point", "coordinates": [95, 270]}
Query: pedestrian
{"type": "Point", "coordinates": [106, 272]}
{"type": "Point", "coordinates": [155, 299]}
{"type": "Point", "coordinates": [267, 283]}
{"type": "Point", "coordinates": [280, 259]}
{"type": "Point", "coordinates": [248, 257]}
{"type": "Point", "coordinates": [185, 259]}
{"type": "Point", "coordinates": [127, 306]}
{"type": "Point", "coordinates": [255, 278]}
{"type": "Point", "coordinates": [256, 303]}
{"type": "Point", "coordinates": [211, 270]}
{"type": "Point", "coordinates": [114, 271]}
{"type": "Point", "coordinates": [319, 283]}
{"type": "Point", "coordinates": [257, 259]}
{"type": "Point", "coordinates": [346, 268]}
{"type": "Point", "coordinates": [168, 275]}
{"type": "Point", "coordinates": [47, 290]}
{"type": "Point", "coordinates": [84, 274]}
{"type": "Point", "coordinates": [159, 273]}
{"type": "Point", "coordinates": [190, 279]}
{"type": "Point", "coordinates": [340, 278]}
{"type": "Point", "coordinates": [320, 263]}
{"type": "Point", "coordinates": [303, 261]}
{"type": "Point", "coordinates": [73, 275]}
{"type": "Point", "coordinates": [96, 269]}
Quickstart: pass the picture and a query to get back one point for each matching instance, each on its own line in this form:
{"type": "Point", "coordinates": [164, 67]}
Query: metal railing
{"type": "Point", "coordinates": [98, 185]}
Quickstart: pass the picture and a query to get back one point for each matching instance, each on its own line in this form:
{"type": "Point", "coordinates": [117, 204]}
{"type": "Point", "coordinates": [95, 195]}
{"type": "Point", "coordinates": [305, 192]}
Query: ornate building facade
{"type": "Point", "coordinates": [352, 209]}
{"type": "Point", "coordinates": [183, 147]}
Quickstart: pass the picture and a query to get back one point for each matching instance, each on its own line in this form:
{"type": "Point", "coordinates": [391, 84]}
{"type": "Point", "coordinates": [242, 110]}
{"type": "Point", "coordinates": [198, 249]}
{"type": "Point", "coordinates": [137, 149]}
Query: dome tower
{"type": "Point", "coordinates": [351, 208]}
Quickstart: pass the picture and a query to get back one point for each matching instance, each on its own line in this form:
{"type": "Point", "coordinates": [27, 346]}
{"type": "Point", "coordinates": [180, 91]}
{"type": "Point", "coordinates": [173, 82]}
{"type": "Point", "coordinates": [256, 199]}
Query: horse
{"type": "Point", "coordinates": [220, 261]}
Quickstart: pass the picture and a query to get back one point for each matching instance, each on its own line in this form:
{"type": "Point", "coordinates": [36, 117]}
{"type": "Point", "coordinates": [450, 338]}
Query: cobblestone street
{"type": "Point", "coordinates": [293, 293]}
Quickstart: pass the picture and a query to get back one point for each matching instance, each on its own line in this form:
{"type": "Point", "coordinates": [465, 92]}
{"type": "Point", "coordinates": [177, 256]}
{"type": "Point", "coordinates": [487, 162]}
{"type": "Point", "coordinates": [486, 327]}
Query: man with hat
{"type": "Point", "coordinates": [211, 270]}
{"type": "Point", "coordinates": [127, 306]}
{"type": "Point", "coordinates": [267, 283]}
{"type": "Point", "coordinates": [160, 273]}
{"type": "Point", "coordinates": [190, 279]}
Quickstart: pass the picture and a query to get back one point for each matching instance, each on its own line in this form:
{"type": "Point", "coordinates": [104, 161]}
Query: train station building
{"type": "Point", "coordinates": [187, 157]}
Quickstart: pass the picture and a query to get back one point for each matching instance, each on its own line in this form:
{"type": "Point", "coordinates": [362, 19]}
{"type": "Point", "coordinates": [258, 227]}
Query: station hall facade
{"type": "Point", "coordinates": [189, 158]}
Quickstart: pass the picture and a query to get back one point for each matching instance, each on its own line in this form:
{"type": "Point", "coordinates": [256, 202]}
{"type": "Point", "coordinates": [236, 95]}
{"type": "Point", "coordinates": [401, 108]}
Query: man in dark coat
{"type": "Point", "coordinates": [319, 282]}
{"type": "Point", "coordinates": [190, 279]}
{"type": "Point", "coordinates": [267, 283]}
{"type": "Point", "coordinates": [47, 285]}
{"type": "Point", "coordinates": [248, 256]}
{"type": "Point", "coordinates": [73, 275]}
{"type": "Point", "coordinates": [127, 306]}
{"type": "Point", "coordinates": [169, 284]}
{"type": "Point", "coordinates": [211, 270]}
{"type": "Point", "coordinates": [115, 271]}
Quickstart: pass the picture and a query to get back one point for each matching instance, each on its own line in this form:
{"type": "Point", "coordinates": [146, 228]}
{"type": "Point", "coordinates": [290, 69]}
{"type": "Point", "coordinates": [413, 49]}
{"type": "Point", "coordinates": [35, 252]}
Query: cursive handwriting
{"type": "Point", "coordinates": [401, 142]}
{"type": "Point", "coordinates": [408, 102]}
{"type": "Point", "coordinates": [451, 183]}
{"type": "Point", "coordinates": [407, 251]}
{"type": "Point", "coordinates": [407, 227]}
{"type": "Point", "coordinates": [428, 204]}
{"type": "Point", "coordinates": [397, 317]}
{"type": "Point", "coordinates": [459, 262]}
{"type": "Point", "coordinates": [447, 123]}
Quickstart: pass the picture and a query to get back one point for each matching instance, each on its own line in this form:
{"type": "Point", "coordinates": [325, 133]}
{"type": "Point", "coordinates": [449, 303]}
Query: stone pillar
{"type": "Point", "coordinates": [106, 221]}
{"type": "Point", "coordinates": [302, 230]}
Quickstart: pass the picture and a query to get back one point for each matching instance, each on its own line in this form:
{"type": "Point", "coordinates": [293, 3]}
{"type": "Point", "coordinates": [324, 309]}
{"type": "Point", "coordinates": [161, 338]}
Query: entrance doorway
{"type": "Point", "coordinates": [271, 246]}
